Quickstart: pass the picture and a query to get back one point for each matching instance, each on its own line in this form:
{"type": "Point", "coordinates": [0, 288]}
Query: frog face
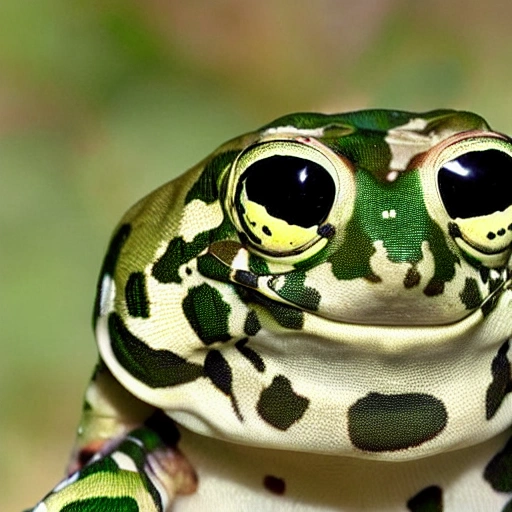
{"type": "Point", "coordinates": [398, 236]}
{"type": "Point", "coordinates": [336, 284]}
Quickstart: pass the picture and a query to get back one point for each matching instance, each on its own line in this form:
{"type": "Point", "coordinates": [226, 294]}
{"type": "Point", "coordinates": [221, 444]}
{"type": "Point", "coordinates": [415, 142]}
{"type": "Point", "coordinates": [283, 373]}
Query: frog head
{"type": "Point", "coordinates": [364, 220]}
{"type": "Point", "coordinates": [327, 283]}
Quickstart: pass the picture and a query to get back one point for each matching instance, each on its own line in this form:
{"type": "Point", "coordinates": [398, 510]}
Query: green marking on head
{"type": "Point", "coordinates": [372, 120]}
{"type": "Point", "coordinates": [258, 265]}
{"type": "Point", "coordinates": [296, 292]}
{"type": "Point", "coordinates": [206, 187]}
{"type": "Point", "coordinates": [136, 295]}
{"type": "Point", "coordinates": [179, 252]}
{"type": "Point", "coordinates": [355, 148]}
{"type": "Point", "coordinates": [381, 214]}
{"type": "Point", "coordinates": [207, 313]}
{"type": "Point", "coordinates": [210, 266]}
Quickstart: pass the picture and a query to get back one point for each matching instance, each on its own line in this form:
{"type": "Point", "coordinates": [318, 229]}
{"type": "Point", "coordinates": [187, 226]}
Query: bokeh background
{"type": "Point", "coordinates": [102, 101]}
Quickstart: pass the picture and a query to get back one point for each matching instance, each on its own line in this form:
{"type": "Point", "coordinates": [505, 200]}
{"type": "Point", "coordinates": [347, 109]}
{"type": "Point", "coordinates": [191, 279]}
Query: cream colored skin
{"type": "Point", "coordinates": [323, 309]}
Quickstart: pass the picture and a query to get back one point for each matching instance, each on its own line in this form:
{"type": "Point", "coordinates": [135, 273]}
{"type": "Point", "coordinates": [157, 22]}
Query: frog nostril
{"type": "Point", "coordinates": [501, 232]}
{"type": "Point", "coordinates": [491, 235]}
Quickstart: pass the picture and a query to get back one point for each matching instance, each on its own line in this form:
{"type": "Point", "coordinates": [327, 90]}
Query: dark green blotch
{"type": "Point", "coordinates": [296, 292]}
{"type": "Point", "coordinates": [349, 263]}
{"type": "Point", "coordinates": [166, 268]}
{"type": "Point", "coordinates": [287, 316]}
{"type": "Point", "coordinates": [252, 356]}
{"type": "Point", "coordinates": [210, 266]}
{"type": "Point", "coordinates": [124, 504]}
{"type": "Point", "coordinates": [470, 295]}
{"type": "Point", "coordinates": [179, 252]}
{"type": "Point", "coordinates": [402, 237]}
{"type": "Point", "coordinates": [341, 125]}
{"type": "Point", "coordinates": [427, 500]}
{"type": "Point", "coordinates": [110, 262]}
{"type": "Point", "coordinates": [499, 470]}
{"type": "Point", "coordinates": [501, 384]}
{"type": "Point", "coordinates": [258, 266]}
{"type": "Point", "coordinates": [207, 313]}
{"type": "Point", "coordinates": [380, 423]}
{"type": "Point", "coordinates": [206, 188]}
{"type": "Point", "coordinates": [217, 369]}
{"type": "Point", "coordinates": [155, 368]}
{"type": "Point", "coordinates": [485, 273]}
{"type": "Point", "coordinates": [279, 405]}
{"type": "Point", "coordinates": [136, 295]}
{"type": "Point", "coordinates": [252, 324]}
{"type": "Point", "coordinates": [310, 121]}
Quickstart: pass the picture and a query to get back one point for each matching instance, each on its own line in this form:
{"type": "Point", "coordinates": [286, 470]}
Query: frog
{"type": "Point", "coordinates": [315, 317]}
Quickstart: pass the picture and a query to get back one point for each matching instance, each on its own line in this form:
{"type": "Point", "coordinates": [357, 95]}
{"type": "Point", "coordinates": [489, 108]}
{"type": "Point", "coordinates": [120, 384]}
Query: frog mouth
{"type": "Point", "coordinates": [471, 246]}
{"type": "Point", "coordinates": [488, 255]}
{"type": "Point", "coordinates": [288, 297]}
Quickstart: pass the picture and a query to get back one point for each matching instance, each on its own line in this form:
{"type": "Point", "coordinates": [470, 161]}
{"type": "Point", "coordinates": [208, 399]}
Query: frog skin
{"type": "Point", "coordinates": [316, 317]}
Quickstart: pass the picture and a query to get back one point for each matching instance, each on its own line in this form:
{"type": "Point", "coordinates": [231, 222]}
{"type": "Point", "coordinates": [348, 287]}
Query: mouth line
{"type": "Point", "coordinates": [470, 247]}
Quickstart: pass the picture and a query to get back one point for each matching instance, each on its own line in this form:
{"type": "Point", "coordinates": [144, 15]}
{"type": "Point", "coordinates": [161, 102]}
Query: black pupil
{"type": "Point", "coordinates": [296, 190]}
{"type": "Point", "coordinates": [476, 183]}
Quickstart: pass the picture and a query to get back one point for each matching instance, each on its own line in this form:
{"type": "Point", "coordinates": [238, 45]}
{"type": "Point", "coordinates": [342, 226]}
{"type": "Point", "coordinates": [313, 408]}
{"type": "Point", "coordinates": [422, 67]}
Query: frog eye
{"type": "Point", "coordinates": [474, 181]}
{"type": "Point", "coordinates": [283, 196]}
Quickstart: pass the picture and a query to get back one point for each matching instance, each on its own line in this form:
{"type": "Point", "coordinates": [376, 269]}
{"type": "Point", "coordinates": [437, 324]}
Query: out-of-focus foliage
{"type": "Point", "coordinates": [100, 102]}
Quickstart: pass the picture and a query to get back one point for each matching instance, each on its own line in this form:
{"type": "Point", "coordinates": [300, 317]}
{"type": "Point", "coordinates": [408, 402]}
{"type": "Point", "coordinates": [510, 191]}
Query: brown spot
{"type": "Point", "coordinates": [434, 288]}
{"type": "Point", "coordinates": [412, 278]}
{"type": "Point", "coordinates": [274, 484]}
{"type": "Point", "coordinates": [373, 278]}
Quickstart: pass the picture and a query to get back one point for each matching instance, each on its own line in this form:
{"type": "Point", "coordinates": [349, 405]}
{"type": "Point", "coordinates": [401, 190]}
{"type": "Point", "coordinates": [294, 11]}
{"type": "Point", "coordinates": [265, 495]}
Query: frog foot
{"type": "Point", "coordinates": [143, 472]}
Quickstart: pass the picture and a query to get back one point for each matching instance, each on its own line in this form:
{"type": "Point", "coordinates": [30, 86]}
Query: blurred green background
{"type": "Point", "coordinates": [100, 102]}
